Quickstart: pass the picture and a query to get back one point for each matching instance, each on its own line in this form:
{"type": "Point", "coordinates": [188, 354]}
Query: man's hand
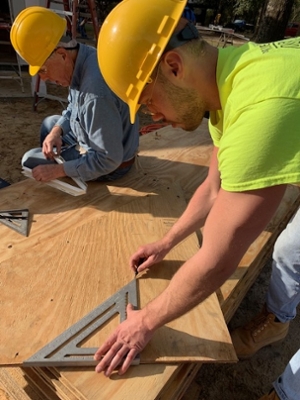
{"type": "Point", "coordinates": [52, 140]}
{"type": "Point", "coordinates": [148, 255]}
{"type": "Point", "coordinates": [48, 172]}
{"type": "Point", "coordinates": [120, 349]}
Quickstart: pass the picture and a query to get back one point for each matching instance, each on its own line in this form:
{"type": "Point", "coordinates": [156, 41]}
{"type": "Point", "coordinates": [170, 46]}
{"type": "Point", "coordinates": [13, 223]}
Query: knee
{"type": "Point", "coordinates": [49, 122]}
{"type": "Point", "coordinates": [25, 158]}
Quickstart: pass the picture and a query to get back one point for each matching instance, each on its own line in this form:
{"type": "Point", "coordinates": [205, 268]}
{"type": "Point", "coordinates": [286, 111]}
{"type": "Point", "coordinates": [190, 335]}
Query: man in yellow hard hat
{"type": "Point", "coordinates": [160, 61]}
{"type": "Point", "coordinates": [93, 135]}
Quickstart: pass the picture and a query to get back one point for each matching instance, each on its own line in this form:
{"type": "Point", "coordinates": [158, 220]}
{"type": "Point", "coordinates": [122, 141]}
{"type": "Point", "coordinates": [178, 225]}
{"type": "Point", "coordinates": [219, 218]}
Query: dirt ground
{"type": "Point", "coordinates": [247, 380]}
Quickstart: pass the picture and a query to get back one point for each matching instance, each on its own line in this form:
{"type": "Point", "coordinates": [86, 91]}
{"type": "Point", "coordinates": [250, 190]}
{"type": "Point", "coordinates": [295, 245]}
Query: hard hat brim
{"type": "Point", "coordinates": [33, 70]}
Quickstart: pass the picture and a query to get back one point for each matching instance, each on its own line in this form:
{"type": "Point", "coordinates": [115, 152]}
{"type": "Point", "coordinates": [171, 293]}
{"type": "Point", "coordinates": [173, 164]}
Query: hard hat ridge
{"type": "Point", "coordinates": [131, 42]}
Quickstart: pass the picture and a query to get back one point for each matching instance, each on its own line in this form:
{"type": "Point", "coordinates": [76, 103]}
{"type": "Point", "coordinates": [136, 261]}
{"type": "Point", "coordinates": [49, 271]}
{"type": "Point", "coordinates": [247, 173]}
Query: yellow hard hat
{"type": "Point", "coordinates": [131, 41]}
{"type": "Point", "coordinates": [34, 35]}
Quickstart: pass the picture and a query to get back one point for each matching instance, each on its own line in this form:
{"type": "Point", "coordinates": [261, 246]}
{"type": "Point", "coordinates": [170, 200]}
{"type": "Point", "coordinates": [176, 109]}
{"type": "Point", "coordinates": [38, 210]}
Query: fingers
{"type": "Point", "coordinates": [141, 264]}
{"type": "Point", "coordinates": [127, 362]}
{"type": "Point", "coordinates": [52, 146]}
{"type": "Point", "coordinates": [102, 350]}
{"type": "Point", "coordinates": [58, 148]}
{"type": "Point", "coordinates": [110, 359]}
{"type": "Point", "coordinates": [137, 263]}
{"type": "Point", "coordinates": [121, 348]}
{"type": "Point", "coordinates": [130, 309]}
{"type": "Point", "coordinates": [117, 357]}
{"type": "Point", "coordinates": [140, 261]}
{"type": "Point", "coordinates": [47, 172]}
{"type": "Point", "coordinates": [49, 153]}
{"type": "Point", "coordinates": [148, 255]}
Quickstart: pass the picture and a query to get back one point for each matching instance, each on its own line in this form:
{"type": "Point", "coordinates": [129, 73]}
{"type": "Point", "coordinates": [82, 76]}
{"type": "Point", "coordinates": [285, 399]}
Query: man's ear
{"type": "Point", "coordinates": [172, 65]}
{"type": "Point", "coordinates": [62, 52]}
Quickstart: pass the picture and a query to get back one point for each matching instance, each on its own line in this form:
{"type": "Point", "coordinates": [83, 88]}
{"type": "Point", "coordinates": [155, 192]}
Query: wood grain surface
{"type": "Point", "coordinates": [56, 282]}
{"type": "Point", "coordinates": [171, 163]}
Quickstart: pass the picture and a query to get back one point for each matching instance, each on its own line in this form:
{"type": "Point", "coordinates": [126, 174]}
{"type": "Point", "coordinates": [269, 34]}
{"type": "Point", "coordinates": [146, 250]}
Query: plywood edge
{"type": "Point", "coordinates": [14, 386]}
{"type": "Point", "coordinates": [181, 380]}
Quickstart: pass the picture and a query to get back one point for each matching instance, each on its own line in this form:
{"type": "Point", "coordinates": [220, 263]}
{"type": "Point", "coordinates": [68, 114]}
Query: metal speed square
{"type": "Point", "coordinates": [16, 220]}
{"type": "Point", "coordinates": [65, 350]}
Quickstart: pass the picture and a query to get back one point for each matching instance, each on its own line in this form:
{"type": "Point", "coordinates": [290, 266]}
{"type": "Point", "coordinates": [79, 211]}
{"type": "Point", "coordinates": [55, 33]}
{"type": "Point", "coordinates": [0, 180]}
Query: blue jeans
{"type": "Point", "coordinates": [69, 151]}
{"type": "Point", "coordinates": [283, 298]}
{"type": "Point", "coordinates": [35, 157]}
{"type": "Point", "coordinates": [287, 386]}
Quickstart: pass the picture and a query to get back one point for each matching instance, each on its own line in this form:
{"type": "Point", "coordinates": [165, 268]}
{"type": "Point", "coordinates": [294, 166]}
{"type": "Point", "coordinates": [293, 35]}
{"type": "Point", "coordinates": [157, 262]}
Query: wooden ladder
{"type": "Point", "coordinates": [10, 59]}
{"type": "Point", "coordinates": [72, 10]}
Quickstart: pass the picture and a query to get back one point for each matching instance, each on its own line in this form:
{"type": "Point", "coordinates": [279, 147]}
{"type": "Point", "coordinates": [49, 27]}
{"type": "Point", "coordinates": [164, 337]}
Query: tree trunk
{"type": "Point", "coordinates": [273, 21]}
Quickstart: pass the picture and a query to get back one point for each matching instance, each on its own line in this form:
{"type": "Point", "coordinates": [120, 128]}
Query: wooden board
{"type": "Point", "coordinates": [61, 280]}
{"type": "Point", "coordinates": [172, 155]}
{"type": "Point", "coordinates": [167, 156]}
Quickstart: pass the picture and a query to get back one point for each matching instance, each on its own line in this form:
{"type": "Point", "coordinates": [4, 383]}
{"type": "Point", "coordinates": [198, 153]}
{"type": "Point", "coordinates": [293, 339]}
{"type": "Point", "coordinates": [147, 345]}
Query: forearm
{"type": "Point", "coordinates": [56, 131]}
{"type": "Point", "coordinates": [220, 253]}
{"type": "Point", "coordinates": [48, 172]}
{"type": "Point", "coordinates": [190, 286]}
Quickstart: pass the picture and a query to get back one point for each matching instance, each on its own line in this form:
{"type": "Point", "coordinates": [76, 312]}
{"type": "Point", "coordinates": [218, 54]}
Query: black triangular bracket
{"type": "Point", "coordinates": [16, 219]}
{"type": "Point", "coordinates": [65, 350]}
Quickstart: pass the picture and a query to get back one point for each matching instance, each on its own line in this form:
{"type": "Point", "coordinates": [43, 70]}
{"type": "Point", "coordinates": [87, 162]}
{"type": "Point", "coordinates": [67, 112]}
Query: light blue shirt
{"type": "Point", "coordinates": [98, 119]}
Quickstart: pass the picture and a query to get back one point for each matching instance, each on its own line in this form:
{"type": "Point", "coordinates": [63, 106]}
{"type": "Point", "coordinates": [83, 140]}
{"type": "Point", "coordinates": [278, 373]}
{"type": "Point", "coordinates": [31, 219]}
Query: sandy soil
{"type": "Point", "coordinates": [19, 131]}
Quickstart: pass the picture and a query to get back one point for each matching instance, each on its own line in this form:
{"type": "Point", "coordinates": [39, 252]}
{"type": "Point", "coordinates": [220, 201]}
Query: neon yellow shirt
{"type": "Point", "coordinates": [258, 129]}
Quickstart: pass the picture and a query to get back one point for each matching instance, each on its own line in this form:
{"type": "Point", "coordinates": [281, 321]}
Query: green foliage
{"type": "Point", "coordinates": [104, 7]}
{"type": "Point", "coordinates": [230, 9]}
{"type": "Point", "coordinates": [295, 15]}
{"type": "Point", "coordinates": [247, 9]}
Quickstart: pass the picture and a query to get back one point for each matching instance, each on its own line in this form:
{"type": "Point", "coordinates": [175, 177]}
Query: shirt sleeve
{"type": "Point", "coordinates": [64, 120]}
{"type": "Point", "coordinates": [99, 131]}
{"type": "Point", "coordinates": [257, 146]}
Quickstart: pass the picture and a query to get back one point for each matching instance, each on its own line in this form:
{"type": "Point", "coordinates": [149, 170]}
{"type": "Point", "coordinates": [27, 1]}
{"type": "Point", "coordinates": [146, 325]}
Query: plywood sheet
{"type": "Point", "coordinates": [48, 207]}
{"type": "Point", "coordinates": [173, 155]}
{"type": "Point", "coordinates": [143, 382]}
{"type": "Point", "coordinates": [49, 289]}
{"type": "Point", "coordinates": [168, 155]}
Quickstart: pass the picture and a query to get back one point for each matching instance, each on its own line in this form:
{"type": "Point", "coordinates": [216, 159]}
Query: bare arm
{"type": "Point", "coordinates": [234, 222]}
{"type": "Point", "coordinates": [48, 172]}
